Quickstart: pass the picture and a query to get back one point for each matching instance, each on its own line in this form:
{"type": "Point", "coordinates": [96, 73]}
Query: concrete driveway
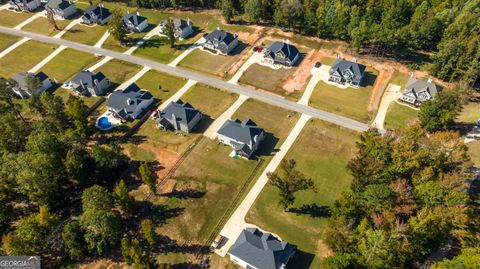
{"type": "Point", "coordinates": [392, 93]}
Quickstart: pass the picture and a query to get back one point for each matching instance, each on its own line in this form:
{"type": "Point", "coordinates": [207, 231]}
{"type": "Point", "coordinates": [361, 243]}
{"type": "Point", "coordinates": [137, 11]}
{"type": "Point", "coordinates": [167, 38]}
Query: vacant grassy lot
{"type": "Point", "coordinates": [322, 151]}
{"type": "Point", "coordinates": [349, 102]}
{"type": "Point", "coordinates": [205, 62]}
{"type": "Point", "coordinates": [66, 64]}
{"type": "Point", "coordinates": [7, 40]}
{"type": "Point", "coordinates": [157, 49]}
{"type": "Point", "coordinates": [84, 34]}
{"type": "Point", "coordinates": [474, 149]}
{"type": "Point", "coordinates": [24, 57]}
{"type": "Point", "coordinates": [216, 22]}
{"type": "Point", "coordinates": [470, 113]}
{"type": "Point", "coordinates": [65, 94]}
{"type": "Point", "coordinates": [210, 101]}
{"type": "Point", "coordinates": [10, 18]}
{"type": "Point", "coordinates": [42, 26]}
{"type": "Point", "coordinates": [328, 61]}
{"type": "Point", "coordinates": [161, 85]}
{"type": "Point", "coordinates": [118, 71]}
{"type": "Point", "coordinates": [266, 78]}
{"type": "Point", "coordinates": [399, 116]}
{"type": "Point", "coordinates": [400, 79]}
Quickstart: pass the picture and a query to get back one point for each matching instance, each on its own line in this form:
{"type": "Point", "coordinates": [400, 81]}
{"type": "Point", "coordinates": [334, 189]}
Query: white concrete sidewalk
{"type": "Point", "coordinates": [47, 59]}
{"type": "Point", "coordinates": [186, 52]}
{"type": "Point", "coordinates": [392, 93]}
{"type": "Point", "coordinates": [97, 65]}
{"type": "Point", "coordinates": [255, 58]}
{"type": "Point", "coordinates": [178, 94]}
{"type": "Point", "coordinates": [212, 130]}
{"type": "Point", "coordinates": [13, 46]}
{"type": "Point", "coordinates": [4, 7]}
{"type": "Point", "coordinates": [102, 39]}
{"type": "Point", "coordinates": [68, 27]}
{"type": "Point", "coordinates": [149, 35]}
{"type": "Point", "coordinates": [29, 20]}
{"type": "Point", "coordinates": [236, 223]}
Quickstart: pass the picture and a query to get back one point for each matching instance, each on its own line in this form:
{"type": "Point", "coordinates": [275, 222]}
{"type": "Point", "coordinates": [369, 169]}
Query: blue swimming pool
{"type": "Point", "coordinates": [103, 123]}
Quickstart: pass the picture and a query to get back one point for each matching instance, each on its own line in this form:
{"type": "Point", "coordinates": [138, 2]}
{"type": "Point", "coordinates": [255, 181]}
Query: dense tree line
{"type": "Point", "coordinates": [395, 28]}
{"type": "Point", "coordinates": [409, 197]}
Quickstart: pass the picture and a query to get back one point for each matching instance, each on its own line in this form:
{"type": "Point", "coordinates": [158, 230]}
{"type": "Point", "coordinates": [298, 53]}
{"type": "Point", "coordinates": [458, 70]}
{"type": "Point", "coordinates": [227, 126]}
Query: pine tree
{"type": "Point", "coordinates": [148, 178]}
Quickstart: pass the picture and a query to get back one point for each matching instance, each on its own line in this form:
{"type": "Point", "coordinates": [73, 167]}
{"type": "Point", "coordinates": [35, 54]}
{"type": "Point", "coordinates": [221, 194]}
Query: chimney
{"type": "Point", "coordinates": [218, 28]}
{"type": "Point", "coordinates": [128, 11]}
{"type": "Point", "coordinates": [188, 21]}
{"type": "Point", "coordinates": [411, 75]}
{"type": "Point", "coordinates": [138, 13]}
{"type": "Point", "coordinates": [430, 80]}
{"type": "Point", "coordinates": [354, 60]}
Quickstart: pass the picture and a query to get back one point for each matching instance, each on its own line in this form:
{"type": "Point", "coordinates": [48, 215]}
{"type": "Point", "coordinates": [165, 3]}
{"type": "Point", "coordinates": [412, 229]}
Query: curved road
{"type": "Point", "coordinates": [214, 82]}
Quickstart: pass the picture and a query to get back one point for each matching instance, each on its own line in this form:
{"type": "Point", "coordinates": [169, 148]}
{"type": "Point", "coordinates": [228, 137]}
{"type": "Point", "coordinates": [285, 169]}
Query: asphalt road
{"type": "Point", "coordinates": [214, 82]}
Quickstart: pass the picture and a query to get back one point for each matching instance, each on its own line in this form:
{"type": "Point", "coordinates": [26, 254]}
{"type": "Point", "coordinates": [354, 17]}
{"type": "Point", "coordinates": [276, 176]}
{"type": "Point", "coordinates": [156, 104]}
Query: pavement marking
{"type": "Point", "coordinates": [29, 20]}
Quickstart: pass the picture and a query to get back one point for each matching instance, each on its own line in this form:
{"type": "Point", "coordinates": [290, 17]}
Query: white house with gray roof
{"type": "Point", "coordinates": [255, 249]}
{"type": "Point", "coordinates": [25, 5]}
{"type": "Point", "coordinates": [418, 91]}
{"type": "Point", "coordinates": [221, 41]}
{"type": "Point", "coordinates": [96, 15]}
{"type": "Point", "coordinates": [134, 22]}
{"type": "Point", "coordinates": [243, 136]}
{"type": "Point", "coordinates": [347, 72]}
{"type": "Point", "coordinates": [282, 53]}
{"type": "Point", "coordinates": [21, 88]}
{"type": "Point", "coordinates": [178, 116]}
{"type": "Point", "coordinates": [182, 28]}
{"type": "Point", "coordinates": [61, 8]}
{"type": "Point", "coordinates": [129, 103]}
{"type": "Point", "coordinates": [89, 84]}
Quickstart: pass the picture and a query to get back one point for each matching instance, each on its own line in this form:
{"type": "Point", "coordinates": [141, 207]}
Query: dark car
{"type": "Point", "coordinates": [255, 49]}
{"type": "Point", "coordinates": [318, 64]}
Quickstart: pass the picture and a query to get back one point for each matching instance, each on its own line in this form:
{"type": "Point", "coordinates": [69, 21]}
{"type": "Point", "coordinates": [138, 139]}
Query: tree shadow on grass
{"type": "Point", "coordinates": [158, 213]}
{"type": "Point", "coordinates": [313, 210]}
{"type": "Point", "coordinates": [168, 245]}
{"type": "Point", "coordinates": [184, 194]}
{"type": "Point", "coordinates": [152, 43]}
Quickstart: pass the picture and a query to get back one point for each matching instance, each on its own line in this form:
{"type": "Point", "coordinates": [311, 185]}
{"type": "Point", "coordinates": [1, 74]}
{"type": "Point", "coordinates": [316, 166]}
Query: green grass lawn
{"type": "Point", "coordinates": [7, 40]}
{"type": "Point", "coordinates": [205, 62]}
{"type": "Point", "coordinates": [399, 78]}
{"type": "Point", "coordinates": [266, 78]}
{"type": "Point", "coordinates": [210, 101]}
{"type": "Point", "coordinates": [84, 34]}
{"type": "Point", "coordinates": [215, 23]}
{"type": "Point", "coordinates": [42, 26]}
{"type": "Point", "coordinates": [24, 57]}
{"type": "Point", "coordinates": [474, 149]}
{"type": "Point", "coordinates": [118, 71]}
{"type": "Point", "coordinates": [133, 38]}
{"type": "Point", "coordinates": [321, 151]}
{"type": "Point", "coordinates": [65, 94]}
{"type": "Point", "coordinates": [328, 61]}
{"type": "Point", "coordinates": [10, 18]}
{"type": "Point", "coordinates": [349, 102]}
{"type": "Point", "coordinates": [470, 113]}
{"type": "Point", "coordinates": [157, 49]}
{"type": "Point", "coordinates": [399, 116]}
{"type": "Point", "coordinates": [68, 63]}
{"type": "Point", "coordinates": [161, 85]}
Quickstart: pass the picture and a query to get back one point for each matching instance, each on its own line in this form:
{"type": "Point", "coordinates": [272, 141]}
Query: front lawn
{"type": "Point", "coordinates": [349, 102]}
{"type": "Point", "coordinates": [88, 35]}
{"type": "Point", "coordinates": [266, 78]}
{"type": "Point", "coordinates": [399, 79]}
{"type": "Point", "coordinates": [470, 113]}
{"type": "Point", "coordinates": [24, 57]}
{"type": "Point", "coordinates": [68, 63]}
{"type": "Point", "coordinates": [112, 44]}
{"type": "Point", "coordinates": [158, 49]}
{"type": "Point", "coordinates": [118, 71]}
{"type": "Point", "coordinates": [321, 151]}
{"type": "Point", "coordinates": [7, 40]}
{"type": "Point", "coordinates": [42, 26]}
{"type": "Point", "coordinates": [399, 116]}
{"type": "Point", "coordinates": [161, 85]}
{"type": "Point", "coordinates": [217, 65]}
{"type": "Point", "coordinates": [11, 18]}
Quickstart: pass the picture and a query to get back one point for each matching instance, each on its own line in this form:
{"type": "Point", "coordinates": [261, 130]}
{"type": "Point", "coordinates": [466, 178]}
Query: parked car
{"type": "Point", "coordinates": [255, 49]}
{"type": "Point", "coordinates": [318, 64]}
{"type": "Point", "coordinates": [260, 49]}
{"type": "Point", "coordinates": [219, 240]}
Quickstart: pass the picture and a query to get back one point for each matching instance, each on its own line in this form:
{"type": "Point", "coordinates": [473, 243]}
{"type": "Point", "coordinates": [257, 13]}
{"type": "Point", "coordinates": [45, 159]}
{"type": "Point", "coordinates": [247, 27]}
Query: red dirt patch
{"type": "Point", "coordinates": [166, 158]}
{"type": "Point", "coordinates": [298, 80]}
{"type": "Point", "coordinates": [380, 85]}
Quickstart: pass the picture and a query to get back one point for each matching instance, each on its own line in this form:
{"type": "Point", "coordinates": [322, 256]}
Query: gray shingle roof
{"type": "Point", "coordinates": [21, 78]}
{"type": "Point", "coordinates": [126, 101]}
{"type": "Point", "coordinates": [417, 86]}
{"type": "Point", "coordinates": [287, 49]}
{"type": "Point", "coordinates": [133, 18]}
{"type": "Point", "coordinates": [99, 11]}
{"type": "Point", "coordinates": [341, 65]}
{"type": "Point", "coordinates": [184, 112]}
{"type": "Point", "coordinates": [60, 4]}
{"type": "Point", "coordinates": [221, 36]}
{"type": "Point", "coordinates": [87, 78]}
{"type": "Point", "coordinates": [180, 23]}
{"type": "Point", "coordinates": [261, 250]}
{"type": "Point", "coordinates": [244, 132]}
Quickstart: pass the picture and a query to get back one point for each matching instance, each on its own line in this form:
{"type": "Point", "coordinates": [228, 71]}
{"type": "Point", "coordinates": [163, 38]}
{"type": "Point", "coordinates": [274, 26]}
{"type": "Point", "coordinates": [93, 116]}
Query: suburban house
{"type": "Point", "coordinates": [134, 22]}
{"type": "Point", "coordinates": [61, 8]}
{"type": "Point", "coordinates": [178, 116]}
{"type": "Point", "coordinates": [182, 28]}
{"type": "Point", "coordinates": [21, 88]}
{"type": "Point", "coordinates": [418, 91]}
{"type": "Point", "coordinates": [129, 103]}
{"type": "Point", "coordinates": [25, 5]}
{"type": "Point", "coordinates": [221, 41]}
{"type": "Point", "coordinates": [96, 15]}
{"type": "Point", "coordinates": [256, 249]}
{"type": "Point", "coordinates": [244, 136]}
{"type": "Point", "coordinates": [281, 53]}
{"type": "Point", "coordinates": [347, 72]}
{"type": "Point", "coordinates": [89, 84]}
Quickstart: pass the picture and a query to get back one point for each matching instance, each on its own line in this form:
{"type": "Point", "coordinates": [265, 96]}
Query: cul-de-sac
{"type": "Point", "coordinates": [228, 134]}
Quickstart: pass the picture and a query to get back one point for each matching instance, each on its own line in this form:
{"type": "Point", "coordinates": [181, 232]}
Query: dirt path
{"type": "Point", "coordinates": [378, 88]}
